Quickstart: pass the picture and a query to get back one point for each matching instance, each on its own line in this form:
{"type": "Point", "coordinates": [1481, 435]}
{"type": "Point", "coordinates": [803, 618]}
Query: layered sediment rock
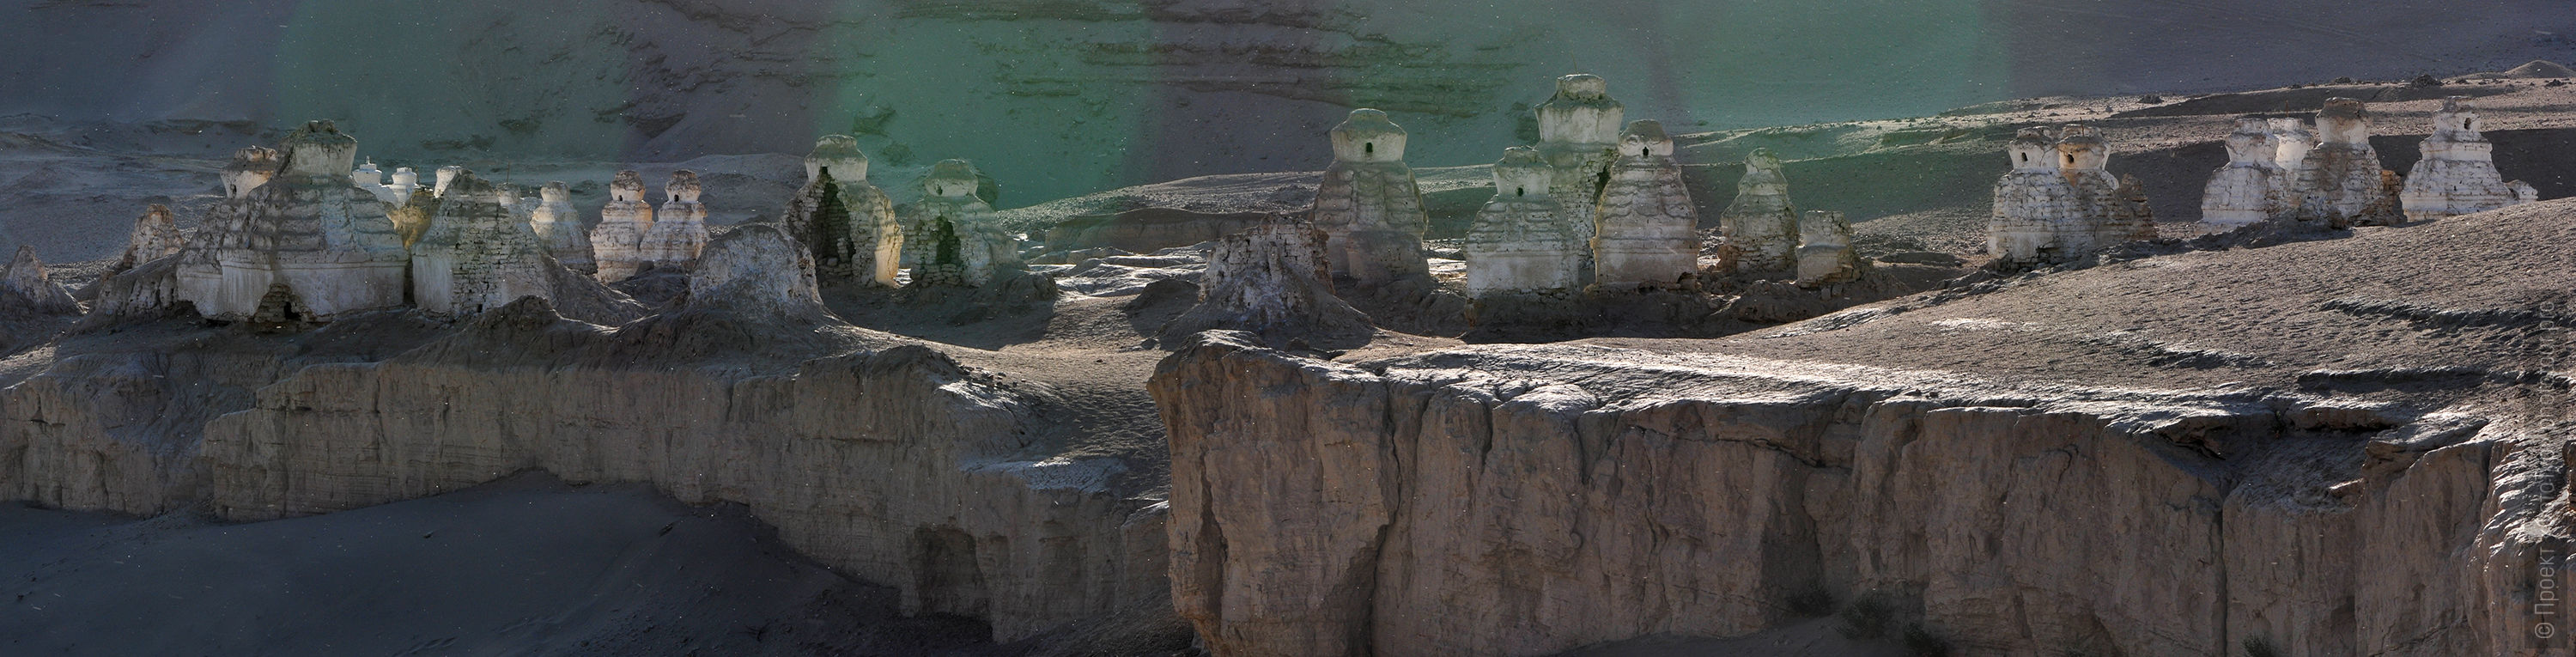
{"type": "Point", "coordinates": [1458, 505]}
{"type": "Point", "coordinates": [1645, 229]}
{"type": "Point", "coordinates": [2457, 174]}
{"type": "Point", "coordinates": [848, 223]}
{"type": "Point", "coordinates": [307, 239]}
{"type": "Point", "coordinates": [617, 243]}
{"type": "Point", "coordinates": [891, 462]}
{"type": "Point", "coordinates": [155, 236]}
{"type": "Point", "coordinates": [26, 288]}
{"type": "Point", "coordinates": [558, 228]}
{"type": "Point", "coordinates": [2386, 479]}
{"type": "Point", "coordinates": [1825, 253]}
{"type": "Point", "coordinates": [2339, 181]}
{"type": "Point", "coordinates": [1271, 280]}
{"type": "Point", "coordinates": [951, 236]}
{"type": "Point", "coordinates": [1760, 227]}
{"type": "Point", "coordinates": [2253, 187]}
{"type": "Point", "coordinates": [1524, 241]}
{"type": "Point", "coordinates": [1368, 204]}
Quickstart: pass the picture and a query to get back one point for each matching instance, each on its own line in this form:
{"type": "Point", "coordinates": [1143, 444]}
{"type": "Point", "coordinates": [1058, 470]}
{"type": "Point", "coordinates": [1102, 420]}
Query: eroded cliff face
{"type": "Point", "coordinates": [1525, 501]}
{"type": "Point", "coordinates": [889, 462]}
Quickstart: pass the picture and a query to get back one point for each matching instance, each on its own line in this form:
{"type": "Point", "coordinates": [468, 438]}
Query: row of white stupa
{"type": "Point", "coordinates": [1597, 203]}
{"type": "Point", "coordinates": [2059, 202]}
{"type": "Point", "coordinates": [303, 234]}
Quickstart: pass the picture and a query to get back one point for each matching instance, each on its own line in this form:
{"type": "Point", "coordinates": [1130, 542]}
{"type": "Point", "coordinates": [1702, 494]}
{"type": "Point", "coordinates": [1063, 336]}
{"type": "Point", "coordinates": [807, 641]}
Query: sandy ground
{"type": "Point", "coordinates": [522, 566]}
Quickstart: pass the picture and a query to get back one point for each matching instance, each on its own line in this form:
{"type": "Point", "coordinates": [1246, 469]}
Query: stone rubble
{"type": "Point", "coordinates": [1368, 204]}
{"type": "Point", "coordinates": [2457, 174]}
{"type": "Point", "coordinates": [1272, 279]}
{"type": "Point", "coordinates": [952, 237]}
{"type": "Point", "coordinates": [1645, 230]}
{"type": "Point", "coordinates": [617, 243]}
{"type": "Point", "coordinates": [1524, 241]}
{"type": "Point", "coordinates": [1759, 231]}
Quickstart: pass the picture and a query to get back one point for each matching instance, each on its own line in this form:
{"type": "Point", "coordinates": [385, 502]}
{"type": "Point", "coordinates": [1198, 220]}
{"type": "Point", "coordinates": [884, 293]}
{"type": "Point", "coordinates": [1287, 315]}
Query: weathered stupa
{"type": "Point", "coordinates": [951, 235]}
{"type": "Point", "coordinates": [1271, 279]}
{"type": "Point", "coordinates": [251, 167]}
{"type": "Point", "coordinates": [1368, 205]}
{"type": "Point", "coordinates": [405, 181]}
{"type": "Point", "coordinates": [306, 246]}
{"type": "Point", "coordinates": [2291, 140]}
{"type": "Point", "coordinates": [1825, 253]}
{"type": "Point", "coordinates": [617, 243]}
{"type": "Point", "coordinates": [2340, 181]}
{"type": "Point", "coordinates": [1759, 230]}
{"type": "Point", "coordinates": [1523, 241]}
{"type": "Point", "coordinates": [2060, 201]}
{"type": "Point", "coordinates": [476, 257]}
{"type": "Point", "coordinates": [679, 226]}
{"type": "Point", "coordinates": [446, 175]}
{"type": "Point", "coordinates": [847, 223]}
{"type": "Point", "coordinates": [155, 236]}
{"type": "Point", "coordinates": [1645, 230]}
{"type": "Point", "coordinates": [26, 287]}
{"type": "Point", "coordinates": [2252, 187]}
{"type": "Point", "coordinates": [558, 228]}
{"type": "Point", "coordinates": [1578, 133]}
{"type": "Point", "coordinates": [2457, 175]}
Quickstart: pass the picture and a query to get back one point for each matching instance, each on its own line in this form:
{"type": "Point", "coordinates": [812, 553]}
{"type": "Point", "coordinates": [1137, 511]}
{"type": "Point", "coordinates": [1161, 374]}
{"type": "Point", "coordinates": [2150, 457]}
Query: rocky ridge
{"type": "Point", "coordinates": [2349, 474]}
